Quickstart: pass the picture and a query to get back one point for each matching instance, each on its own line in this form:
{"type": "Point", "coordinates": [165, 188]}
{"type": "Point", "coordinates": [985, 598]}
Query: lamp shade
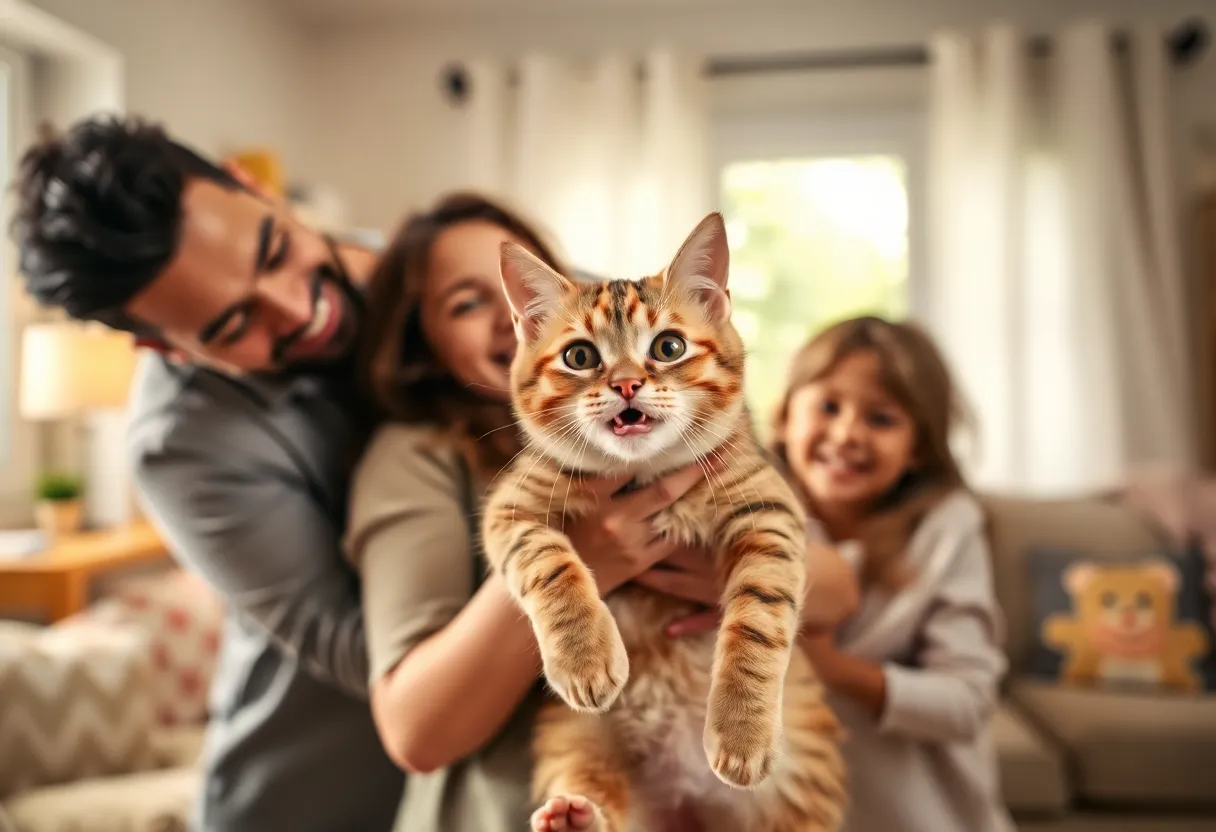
{"type": "Point", "coordinates": [68, 369]}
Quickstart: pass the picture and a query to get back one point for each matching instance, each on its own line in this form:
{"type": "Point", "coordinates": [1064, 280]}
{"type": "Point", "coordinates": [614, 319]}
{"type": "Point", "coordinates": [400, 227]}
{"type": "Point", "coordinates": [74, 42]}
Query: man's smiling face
{"type": "Point", "coordinates": [248, 289]}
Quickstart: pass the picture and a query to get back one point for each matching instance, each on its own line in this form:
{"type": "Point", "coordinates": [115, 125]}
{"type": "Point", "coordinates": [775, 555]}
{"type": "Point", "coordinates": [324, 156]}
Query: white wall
{"type": "Point", "coordinates": [390, 144]}
{"type": "Point", "coordinates": [218, 73]}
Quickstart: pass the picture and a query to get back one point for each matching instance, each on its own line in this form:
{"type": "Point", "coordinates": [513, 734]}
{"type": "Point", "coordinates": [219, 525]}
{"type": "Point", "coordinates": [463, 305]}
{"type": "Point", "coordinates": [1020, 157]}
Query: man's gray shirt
{"type": "Point", "coordinates": [247, 480]}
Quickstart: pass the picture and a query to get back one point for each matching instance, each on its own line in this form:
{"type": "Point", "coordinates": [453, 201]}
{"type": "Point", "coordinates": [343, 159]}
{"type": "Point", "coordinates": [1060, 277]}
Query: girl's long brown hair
{"type": "Point", "coordinates": [398, 371]}
{"type": "Point", "coordinates": [915, 374]}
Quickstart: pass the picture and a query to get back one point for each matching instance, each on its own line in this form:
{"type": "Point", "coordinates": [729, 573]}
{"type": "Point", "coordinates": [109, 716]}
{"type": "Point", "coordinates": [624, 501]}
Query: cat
{"type": "Point", "coordinates": [639, 378]}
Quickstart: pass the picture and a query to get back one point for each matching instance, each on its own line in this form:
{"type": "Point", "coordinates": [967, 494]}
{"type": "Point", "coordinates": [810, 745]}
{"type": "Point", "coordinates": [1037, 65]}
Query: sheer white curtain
{"type": "Point", "coordinates": [609, 154]}
{"type": "Point", "coordinates": [1056, 281]}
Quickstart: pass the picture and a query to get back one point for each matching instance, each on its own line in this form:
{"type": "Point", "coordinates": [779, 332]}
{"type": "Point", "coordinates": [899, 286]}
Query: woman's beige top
{"type": "Point", "coordinates": [412, 535]}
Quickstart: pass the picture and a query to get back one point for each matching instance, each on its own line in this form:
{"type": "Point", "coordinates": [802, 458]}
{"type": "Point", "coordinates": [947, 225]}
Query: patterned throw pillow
{"type": "Point", "coordinates": [181, 618]}
{"type": "Point", "coordinates": [1138, 625]}
{"type": "Point", "coordinates": [74, 705]}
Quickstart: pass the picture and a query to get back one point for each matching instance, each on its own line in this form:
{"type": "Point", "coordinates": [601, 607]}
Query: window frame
{"type": "Point", "coordinates": [18, 437]}
{"type": "Point", "coordinates": [831, 113]}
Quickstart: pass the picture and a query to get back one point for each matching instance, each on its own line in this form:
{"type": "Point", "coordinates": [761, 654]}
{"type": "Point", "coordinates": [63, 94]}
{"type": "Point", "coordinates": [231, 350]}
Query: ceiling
{"type": "Point", "coordinates": [332, 11]}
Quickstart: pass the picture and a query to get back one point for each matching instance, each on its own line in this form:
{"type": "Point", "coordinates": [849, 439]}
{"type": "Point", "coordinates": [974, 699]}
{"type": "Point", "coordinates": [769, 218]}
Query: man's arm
{"type": "Point", "coordinates": [253, 531]}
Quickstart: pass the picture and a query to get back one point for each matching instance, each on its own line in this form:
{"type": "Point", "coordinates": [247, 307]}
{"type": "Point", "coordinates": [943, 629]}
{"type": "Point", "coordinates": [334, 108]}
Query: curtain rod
{"type": "Point", "coordinates": [1185, 44]}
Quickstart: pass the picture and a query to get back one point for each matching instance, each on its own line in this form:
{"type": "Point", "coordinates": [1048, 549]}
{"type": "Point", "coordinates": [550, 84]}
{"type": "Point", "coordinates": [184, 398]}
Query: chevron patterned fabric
{"type": "Point", "coordinates": [76, 703]}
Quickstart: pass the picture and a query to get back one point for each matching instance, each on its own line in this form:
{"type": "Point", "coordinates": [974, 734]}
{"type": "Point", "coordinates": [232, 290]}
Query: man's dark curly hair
{"type": "Point", "coordinates": [99, 214]}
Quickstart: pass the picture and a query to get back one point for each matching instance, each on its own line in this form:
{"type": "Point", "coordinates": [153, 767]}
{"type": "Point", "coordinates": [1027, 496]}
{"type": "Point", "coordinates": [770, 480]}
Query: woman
{"type": "Point", "coordinates": [454, 663]}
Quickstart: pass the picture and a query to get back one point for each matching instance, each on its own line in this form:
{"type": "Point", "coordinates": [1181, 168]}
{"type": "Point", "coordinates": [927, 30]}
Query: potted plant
{"type": "Point", "coordinates": [58, 508]}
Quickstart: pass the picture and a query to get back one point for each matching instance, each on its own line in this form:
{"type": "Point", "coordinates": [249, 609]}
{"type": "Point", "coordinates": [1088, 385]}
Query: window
{"type": "Point", "coordinates": [818, 178]}
{"type": "Point", "coordinates": [813, 240]}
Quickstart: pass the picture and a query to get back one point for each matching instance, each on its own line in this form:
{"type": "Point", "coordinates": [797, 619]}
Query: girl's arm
{"type": "Point", "coordinates": [950, 688]}
{"type": "Point", "coordinates": [832, 593]}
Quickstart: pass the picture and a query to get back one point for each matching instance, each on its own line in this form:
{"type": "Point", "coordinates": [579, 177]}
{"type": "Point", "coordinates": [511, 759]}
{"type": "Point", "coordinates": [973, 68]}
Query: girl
{"type": "Point", "coordinates": [864, 430]}
{"type": "Point", "coordinates": [454, 664]}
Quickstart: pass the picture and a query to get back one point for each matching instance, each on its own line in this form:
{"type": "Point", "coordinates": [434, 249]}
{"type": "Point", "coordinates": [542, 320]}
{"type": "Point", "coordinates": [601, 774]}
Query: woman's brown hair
{"type": "Point", "coordinates": [398, 371]}
{"type": "Point", "coordinates": [915, 374]}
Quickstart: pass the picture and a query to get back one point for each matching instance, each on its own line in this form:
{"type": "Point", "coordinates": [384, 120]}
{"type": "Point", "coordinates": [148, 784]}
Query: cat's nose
{"type": "Point", "coordinates": [627, 387]}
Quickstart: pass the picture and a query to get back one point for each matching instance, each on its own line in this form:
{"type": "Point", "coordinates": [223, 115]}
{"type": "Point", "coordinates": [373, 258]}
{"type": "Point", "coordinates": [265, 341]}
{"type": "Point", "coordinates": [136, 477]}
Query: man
{"type": "Point", "coordinates": [242, 439]}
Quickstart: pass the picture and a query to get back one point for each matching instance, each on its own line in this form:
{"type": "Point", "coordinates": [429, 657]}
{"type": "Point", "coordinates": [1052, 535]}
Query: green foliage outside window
{"type": "Point", "coordinates": [812, 241]}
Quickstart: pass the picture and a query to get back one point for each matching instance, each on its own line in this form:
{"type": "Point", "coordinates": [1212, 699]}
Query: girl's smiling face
{"type": "Point", "coordinates": [847, 439]}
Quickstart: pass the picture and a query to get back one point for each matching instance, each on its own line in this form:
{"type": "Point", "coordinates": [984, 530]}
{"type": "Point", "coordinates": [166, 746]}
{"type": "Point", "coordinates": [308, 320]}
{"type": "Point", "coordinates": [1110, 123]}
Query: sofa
{"type": "Point", "coordinates": [1072, 759]}
{"type": "Point", "coordinates": [1083, 757]}
{"type": "Point", "coordinates": [103, 714]}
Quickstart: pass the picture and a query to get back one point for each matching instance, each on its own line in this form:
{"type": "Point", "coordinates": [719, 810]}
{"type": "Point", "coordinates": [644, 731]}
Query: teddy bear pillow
{"type": "Point", "coordinates": [1139, 625]}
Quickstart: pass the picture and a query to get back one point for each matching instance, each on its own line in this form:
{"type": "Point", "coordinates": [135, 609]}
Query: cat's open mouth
{"type": "Point", "coordinates": [630, 422]}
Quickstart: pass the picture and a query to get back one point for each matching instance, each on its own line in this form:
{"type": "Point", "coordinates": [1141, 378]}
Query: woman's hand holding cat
{"type": "Point", "coordinates": [618, 543]}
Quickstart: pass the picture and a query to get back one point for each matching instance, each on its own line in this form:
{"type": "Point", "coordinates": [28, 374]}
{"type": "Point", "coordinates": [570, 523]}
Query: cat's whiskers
{"type": "Point", "coordinates": [500, 390]}
{"type": "Point", "coordinates": [535, 461]}
{"type": "Point", "coordinates": [729, 443]}
{"type": "Point", "coordinates": [578, 466]}
{"type": "Point", "coordinates": [704, 466]}
{"type": "Point", "coordinates": [712, 470]}
{"type": "Point", "coordinates": [569, 479]}
{"type": "Point", "coordinates": [528, 444]}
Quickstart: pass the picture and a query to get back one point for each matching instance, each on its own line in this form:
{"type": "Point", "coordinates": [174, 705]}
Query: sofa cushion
{"type": "Point", "coordinates": [151, 801]}
{"type": "Point", "coordinates": [1140, 625]}
{"type": "Point", "coordinates": [1098, 528]}
{"type": "Point", "coordinates": [1033, 779]}
{"type": "Point", "coordinates": [1147, 750]}
{"type": "Point", "coordinates": [74, 705]}
{"type": "Point", "coordinates": [178, 746]}
{"type": "Point", "coordinates": [182, 619]}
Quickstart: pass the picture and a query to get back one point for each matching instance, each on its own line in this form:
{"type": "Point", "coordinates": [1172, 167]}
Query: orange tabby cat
{"type": "Point", "coordinates": [640, 378]}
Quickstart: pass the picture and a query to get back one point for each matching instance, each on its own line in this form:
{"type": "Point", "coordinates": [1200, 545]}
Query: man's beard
{"type": "Point", "coordinates": [351, 313]}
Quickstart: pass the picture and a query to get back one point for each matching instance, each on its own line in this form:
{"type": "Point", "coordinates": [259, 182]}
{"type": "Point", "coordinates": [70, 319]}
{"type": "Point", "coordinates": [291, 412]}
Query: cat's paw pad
{"type": "Point", "coordinates": [742, 756]}
{"type": "Point", "coordinates": [561, 814]}
{"type": "Point", "coordinates": [590, 672]}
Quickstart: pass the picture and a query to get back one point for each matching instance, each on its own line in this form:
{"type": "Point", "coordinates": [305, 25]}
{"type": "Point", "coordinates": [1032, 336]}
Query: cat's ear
{"type": "Point", "coordinates": [533, 289]}
{"type": "Point", "coordinates": [701, 266]}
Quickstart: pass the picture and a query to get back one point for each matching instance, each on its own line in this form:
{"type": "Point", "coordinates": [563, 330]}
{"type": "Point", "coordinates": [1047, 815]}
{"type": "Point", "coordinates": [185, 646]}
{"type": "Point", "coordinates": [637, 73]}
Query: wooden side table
{"type": "Point", "coordinates": [56, 582]}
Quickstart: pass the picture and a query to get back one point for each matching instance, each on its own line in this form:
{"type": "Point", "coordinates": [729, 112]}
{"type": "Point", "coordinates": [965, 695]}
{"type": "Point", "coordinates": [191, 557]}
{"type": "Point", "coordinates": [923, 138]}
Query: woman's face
{"type": "Point", "coordinates": [465, 315]}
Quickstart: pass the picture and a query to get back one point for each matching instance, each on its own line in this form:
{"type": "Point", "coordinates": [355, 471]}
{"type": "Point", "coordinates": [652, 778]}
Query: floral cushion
{"type": "Point", "coordinates": [181, 617]}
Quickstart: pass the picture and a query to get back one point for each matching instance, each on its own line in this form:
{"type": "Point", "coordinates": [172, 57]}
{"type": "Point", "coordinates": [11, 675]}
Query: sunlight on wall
{"type": "Point", "coordinates": [812, 241]}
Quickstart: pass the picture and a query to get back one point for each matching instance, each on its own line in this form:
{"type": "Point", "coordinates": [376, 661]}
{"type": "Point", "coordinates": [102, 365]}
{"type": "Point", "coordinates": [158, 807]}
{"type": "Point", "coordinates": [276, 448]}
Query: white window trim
{"type": "Point", "coordinates": [19, 445]}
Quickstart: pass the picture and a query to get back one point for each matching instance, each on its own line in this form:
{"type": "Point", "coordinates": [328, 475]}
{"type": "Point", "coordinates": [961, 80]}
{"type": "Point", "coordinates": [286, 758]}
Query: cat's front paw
{"type": "Point", "coordinates": [560, 814]}
{"type": "Point", "coordinates": [588, 668]}
{"type": "Point", "coordinates": [742, 751]}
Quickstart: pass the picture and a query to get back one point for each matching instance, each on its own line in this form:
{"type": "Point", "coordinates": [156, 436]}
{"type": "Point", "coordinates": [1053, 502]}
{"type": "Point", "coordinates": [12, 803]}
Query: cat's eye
{"type": "Point", "coordinates": [1109, 600]}
{"type": "Point", "coordinates": [668, 347]}
{"type": "Point", "coordinates": [581, 355]}
{"type": "Point", "coordinates": [1143, 600]}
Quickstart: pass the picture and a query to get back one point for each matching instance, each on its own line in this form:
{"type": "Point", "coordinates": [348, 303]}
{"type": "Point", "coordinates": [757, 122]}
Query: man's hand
{"type": "Point", "coordinates": [619, 542]}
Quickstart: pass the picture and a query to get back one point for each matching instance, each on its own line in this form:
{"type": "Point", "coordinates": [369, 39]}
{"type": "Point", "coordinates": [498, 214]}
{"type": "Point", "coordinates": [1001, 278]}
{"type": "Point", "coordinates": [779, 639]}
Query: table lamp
{"type": "Point", "coordinates": [82, 373]}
